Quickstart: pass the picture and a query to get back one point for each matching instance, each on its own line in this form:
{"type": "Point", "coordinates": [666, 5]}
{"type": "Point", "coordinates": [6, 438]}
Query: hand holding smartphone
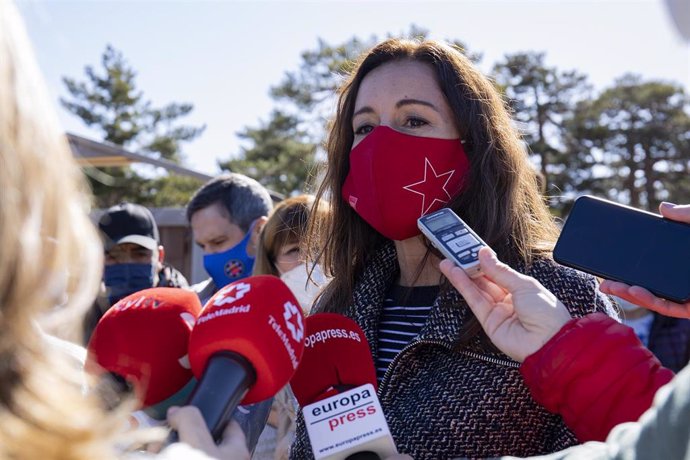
{"type": "Point", "coordinates": [624, 244]}
{"type": "Point", "coordinates": [454, 238]}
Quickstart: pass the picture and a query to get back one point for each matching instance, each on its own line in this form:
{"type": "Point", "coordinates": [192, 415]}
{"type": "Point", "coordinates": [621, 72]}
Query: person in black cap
{"type": "Point", "coordinates": [133, 258]}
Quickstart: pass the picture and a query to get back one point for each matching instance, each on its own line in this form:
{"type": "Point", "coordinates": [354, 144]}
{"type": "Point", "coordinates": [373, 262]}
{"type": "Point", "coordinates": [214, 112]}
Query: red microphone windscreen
{"type": "Point", "coordinates": [144, 338]}
{"type": "Point", "coordinates": [336, 353]}
{"type": "Point", "coordinates": [258, 318]}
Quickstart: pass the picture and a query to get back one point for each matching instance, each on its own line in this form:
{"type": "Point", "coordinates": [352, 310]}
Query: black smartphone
{"type": "Point", "coordinates": [624, 244]}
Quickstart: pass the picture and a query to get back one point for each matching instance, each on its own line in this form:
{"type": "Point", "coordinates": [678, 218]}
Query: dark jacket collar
{"type": "Point", "coordinates": [444, 321]}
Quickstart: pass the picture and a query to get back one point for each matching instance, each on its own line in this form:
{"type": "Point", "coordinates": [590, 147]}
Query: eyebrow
{"type": "Point", "coordinates": [404, 102]}
{"type": "Point", "coordinates": [400, 103]}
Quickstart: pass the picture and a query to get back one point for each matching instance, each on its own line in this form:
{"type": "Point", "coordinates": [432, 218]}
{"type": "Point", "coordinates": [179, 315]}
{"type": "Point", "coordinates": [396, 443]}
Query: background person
{"type": "Point", "coordinates": [282, 252]}
{"type": "Point", "coordinates": [418, 127]}
{"type": "Point", "coordinates": [227, 215]}
{"type": "Point", "coordinates": [134, 259]}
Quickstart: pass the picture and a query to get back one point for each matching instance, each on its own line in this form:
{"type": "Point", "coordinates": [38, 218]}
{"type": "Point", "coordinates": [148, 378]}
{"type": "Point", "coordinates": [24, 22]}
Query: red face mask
{"type": "Point", "coordinates": [396, 178]}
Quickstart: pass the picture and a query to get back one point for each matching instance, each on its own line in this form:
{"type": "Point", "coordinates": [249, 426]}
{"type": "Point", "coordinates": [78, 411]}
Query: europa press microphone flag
{"type": "Point", "coordinates": [335, 384]}
{"type": "Point", "coordinates": [143, 339]}
{"type": "Point", "coordinates": [245, 346]}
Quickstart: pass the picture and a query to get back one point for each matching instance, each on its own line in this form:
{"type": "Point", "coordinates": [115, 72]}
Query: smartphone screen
{"type": "Point", "coordinates": [624, 244]}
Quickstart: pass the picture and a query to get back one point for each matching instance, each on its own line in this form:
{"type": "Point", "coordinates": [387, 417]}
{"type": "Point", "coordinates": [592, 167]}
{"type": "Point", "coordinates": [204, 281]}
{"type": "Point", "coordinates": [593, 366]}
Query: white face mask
{"type": "Point", "coordinates": [304, 290]}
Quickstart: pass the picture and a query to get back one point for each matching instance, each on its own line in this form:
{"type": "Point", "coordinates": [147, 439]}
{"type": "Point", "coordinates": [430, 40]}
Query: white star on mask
{"type": "Point", "coordinates": [424, 186]}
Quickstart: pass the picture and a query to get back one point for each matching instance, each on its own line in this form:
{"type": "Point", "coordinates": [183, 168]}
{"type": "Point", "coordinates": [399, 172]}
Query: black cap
{"type": "Point", "coordinates": [129, 223]}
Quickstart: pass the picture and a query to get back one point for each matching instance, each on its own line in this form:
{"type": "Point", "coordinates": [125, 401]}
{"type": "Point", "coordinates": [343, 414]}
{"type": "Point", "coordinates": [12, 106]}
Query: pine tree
{"type": "Point", "coordinates": [632, 143]}
{"type": "Point", "coordinates": [542, 99]}
{"type": "Point", "coordinates": [110, 101]}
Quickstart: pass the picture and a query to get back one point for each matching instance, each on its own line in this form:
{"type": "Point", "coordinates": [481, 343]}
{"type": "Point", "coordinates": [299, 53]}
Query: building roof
{"type": "Point", "coordinates": [92, 153]}
{"type": "Point", "coordinates": [100, 154]}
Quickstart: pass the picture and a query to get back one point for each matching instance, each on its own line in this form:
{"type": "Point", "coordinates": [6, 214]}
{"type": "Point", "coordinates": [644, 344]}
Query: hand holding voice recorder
{"type": "Point", "coordinates": [625, 244]}
{"type": "Point", "coordinates": [454, 238]}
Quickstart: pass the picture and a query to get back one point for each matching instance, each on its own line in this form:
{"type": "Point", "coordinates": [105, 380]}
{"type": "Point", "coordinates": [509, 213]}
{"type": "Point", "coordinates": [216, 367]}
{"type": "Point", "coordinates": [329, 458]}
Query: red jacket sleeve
{"type": "Point", "coordinates": [596, 374]}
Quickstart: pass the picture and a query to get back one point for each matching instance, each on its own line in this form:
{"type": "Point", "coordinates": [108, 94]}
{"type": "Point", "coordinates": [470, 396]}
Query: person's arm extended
{"type": "Point", "coordinates": [662, 432]}
{"type": "Point", "coordinates": [592, 371]}
{"type": "Point", "coordinates": [596, 374]}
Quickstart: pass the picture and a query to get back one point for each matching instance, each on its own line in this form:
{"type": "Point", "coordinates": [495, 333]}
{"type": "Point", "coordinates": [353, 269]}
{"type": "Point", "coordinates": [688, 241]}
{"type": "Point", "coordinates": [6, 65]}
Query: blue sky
{"type": "Point", "coordinates": [223, 56]}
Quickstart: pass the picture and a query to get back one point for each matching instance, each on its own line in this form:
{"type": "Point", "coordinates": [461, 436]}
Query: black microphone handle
{"type": "Point", "coordinates": [222, 386]}
{"type": "Point", "coordinates": [366, 455]}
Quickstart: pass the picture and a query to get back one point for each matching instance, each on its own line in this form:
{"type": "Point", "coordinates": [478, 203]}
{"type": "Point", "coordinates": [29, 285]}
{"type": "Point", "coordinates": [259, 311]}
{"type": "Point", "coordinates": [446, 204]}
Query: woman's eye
{"type": "Point", "coordinates": [414, 122]}
{"type": "Point", "coordinates": [364, 129]}
{"type": "Point", "coordinates": [290, 251]}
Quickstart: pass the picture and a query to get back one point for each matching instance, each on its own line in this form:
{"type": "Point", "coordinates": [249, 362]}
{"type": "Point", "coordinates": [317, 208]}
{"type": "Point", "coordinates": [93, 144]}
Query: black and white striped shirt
{"type": "Point", "coordinates": [405, 311]}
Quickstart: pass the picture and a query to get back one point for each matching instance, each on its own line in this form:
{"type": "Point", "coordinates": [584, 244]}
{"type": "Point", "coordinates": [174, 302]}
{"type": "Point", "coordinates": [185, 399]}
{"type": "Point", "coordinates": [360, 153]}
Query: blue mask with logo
{"type": "Point", "coordinates": [122, 280]}
{"type": "Point", "coordinates": [231, 265]}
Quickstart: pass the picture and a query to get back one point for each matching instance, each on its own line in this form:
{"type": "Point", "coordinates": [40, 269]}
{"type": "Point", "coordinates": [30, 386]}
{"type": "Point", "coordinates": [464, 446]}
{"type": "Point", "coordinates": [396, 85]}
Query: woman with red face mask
{"type": "Point", "coordinates": [419, 128]}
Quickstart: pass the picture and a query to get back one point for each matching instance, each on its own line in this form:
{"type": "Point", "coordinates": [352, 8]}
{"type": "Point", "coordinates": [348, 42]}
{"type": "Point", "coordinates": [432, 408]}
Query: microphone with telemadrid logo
{"type": "Point", "coordinates": [245, 346]}
{"type": "Point", "coordinates": [141, 342]}
{"type": "Point", "coordinates": [335, 384]}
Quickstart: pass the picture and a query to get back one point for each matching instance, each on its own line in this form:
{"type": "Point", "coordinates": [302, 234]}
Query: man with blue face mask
{"type": "Point", "coordinates": [133, 255]}
{"type": "Point", "coordinates": [133, 258]}
{"type": "Point", "coordinates": [227, 215]}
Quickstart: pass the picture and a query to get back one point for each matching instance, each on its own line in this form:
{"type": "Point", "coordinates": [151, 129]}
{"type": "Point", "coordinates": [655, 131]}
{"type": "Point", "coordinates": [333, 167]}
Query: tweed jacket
{"type": "Point", "coordinates": [444, 401]}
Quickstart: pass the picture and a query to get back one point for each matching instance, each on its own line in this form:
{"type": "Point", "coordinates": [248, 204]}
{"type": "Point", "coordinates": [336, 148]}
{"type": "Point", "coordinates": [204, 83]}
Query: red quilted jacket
{"type": "Point", "coordinates": [596, 374]}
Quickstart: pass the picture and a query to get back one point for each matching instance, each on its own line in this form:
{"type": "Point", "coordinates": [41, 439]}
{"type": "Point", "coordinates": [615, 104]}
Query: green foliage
{"type": "Point", "coordinates": [542, 99]}
{"type": "Point", "coordinates": [632, 143]}
{"type": "Point", "coordinates": [280, 157]}
{"type": "Point", "coordinates": [320, 73]}
{"type": "Point", "coordinates": [108, 100]}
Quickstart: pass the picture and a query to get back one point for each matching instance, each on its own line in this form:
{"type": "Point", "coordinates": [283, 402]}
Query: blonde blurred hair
{"type": "Point", "coordinates": [49, 270]}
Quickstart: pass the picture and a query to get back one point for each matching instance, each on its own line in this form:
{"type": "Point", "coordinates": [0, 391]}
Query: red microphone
{"type": "Point", "coordinates": [143, 339]}
{"type": "Point", "coordinates": [335, 384]}
{"type": "Point", "coordinates": [245, 346]}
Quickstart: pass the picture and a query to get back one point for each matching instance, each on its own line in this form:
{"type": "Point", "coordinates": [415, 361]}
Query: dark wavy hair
{"type": "Point", "coordinates": [501, 200]}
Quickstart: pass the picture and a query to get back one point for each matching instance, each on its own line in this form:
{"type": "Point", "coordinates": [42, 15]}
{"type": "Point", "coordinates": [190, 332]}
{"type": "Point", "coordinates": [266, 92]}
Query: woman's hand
{"type": "Point", "coordinates": [639, 295]}
{"type": "Point", "coordinates": [517, 313]}
{"type": "Point", "coordinates": [192, 430]}
{"type": "Point", "coordinates": [642, 297]}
